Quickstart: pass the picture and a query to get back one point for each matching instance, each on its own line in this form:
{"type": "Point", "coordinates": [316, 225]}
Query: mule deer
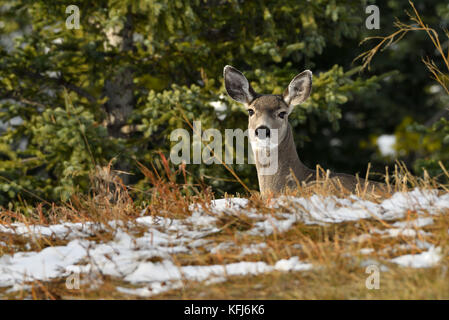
{"type": "Point", "coordinates": [268, 114]}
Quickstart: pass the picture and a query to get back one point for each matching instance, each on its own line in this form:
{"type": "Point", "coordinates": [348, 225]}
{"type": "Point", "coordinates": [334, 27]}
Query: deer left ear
{"type": "Point", "coordinates": [298, 90]}
{"type": "Point", "coordinates": [237, 86]}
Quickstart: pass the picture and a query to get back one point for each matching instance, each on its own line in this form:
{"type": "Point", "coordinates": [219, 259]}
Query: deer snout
{"type": "Point", "coordinates": [263, 132]}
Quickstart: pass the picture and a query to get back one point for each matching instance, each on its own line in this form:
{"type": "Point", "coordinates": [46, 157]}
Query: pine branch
{"type": "Point", "coordinates": [60, 81]}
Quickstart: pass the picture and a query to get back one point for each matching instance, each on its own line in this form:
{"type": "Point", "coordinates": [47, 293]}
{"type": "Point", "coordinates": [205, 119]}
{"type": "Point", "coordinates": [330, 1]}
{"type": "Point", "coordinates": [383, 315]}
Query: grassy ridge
{"type": "Point", "coordinates": [339, 252]}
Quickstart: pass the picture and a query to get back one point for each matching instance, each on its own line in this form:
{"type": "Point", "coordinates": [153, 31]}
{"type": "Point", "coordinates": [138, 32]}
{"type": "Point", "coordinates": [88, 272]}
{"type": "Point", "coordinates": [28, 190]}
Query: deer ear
{"type": "Point", "coordinates": [237, 86]}
{"type": "Point", "coordinates": [299, 89]}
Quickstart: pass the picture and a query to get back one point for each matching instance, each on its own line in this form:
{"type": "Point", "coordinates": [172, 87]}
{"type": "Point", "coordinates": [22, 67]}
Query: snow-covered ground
{"type": "Point", "coordinates": [148, 259]}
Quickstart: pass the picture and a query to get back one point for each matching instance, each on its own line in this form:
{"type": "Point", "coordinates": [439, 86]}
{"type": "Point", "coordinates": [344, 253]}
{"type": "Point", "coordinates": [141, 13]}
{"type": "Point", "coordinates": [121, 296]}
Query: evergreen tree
{"type": "Point", "coordinates": [116, 87]}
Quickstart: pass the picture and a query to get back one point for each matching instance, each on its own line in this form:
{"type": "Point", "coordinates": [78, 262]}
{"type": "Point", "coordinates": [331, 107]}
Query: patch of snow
{"type": "Point", "coordinates": [425, 259]}
{"type": "Point", "coordinates": [401, 232]}
{"type": "Point", "coordinates": [366, 250]}
{"type": "Point", "coordinates": [46, 264]}
{"type": "Point", "coordinates": [417, 223]}
{"type": "Point", "coordinates": [423, 244]}
{"type": "Point", "coordinates": [292, 264]}
{"type": "Point", "coordinates": [318, 209]}
{"type": "Point", "coordinates": [200, 218]}
{"type": "Point", "coordinates": [220, 108]}
{"type": "Point", "coordinates": [63, 231]}
{"type": "Point", "coordinates": [386, 143]}
{"type": "Point", "coordinates": [271, 225]}
{"type": "Point", "coordinates": [18, 287]}
{"type": "Point", "coordinates": [229, 203]}
{"type": "Point", "coordinates": [141, 292]}
{"type": "Point", "coordinates": [166, 270]}
{"type": "Point", "coordinates": [435, 88]}
{"type": "Point", "coordinates": [254, 248]}
{"type": "Point", "coordinates": [223, 246]}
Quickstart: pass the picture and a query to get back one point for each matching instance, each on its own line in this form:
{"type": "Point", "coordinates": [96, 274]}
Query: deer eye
{"type": "Point", "coordinates": [282, 114]}
{"type": "Point", "coordinates": [250, 112]}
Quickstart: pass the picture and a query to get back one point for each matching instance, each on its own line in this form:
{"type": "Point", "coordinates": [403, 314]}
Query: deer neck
{"type": "Point", "coordinates": [288, 162]}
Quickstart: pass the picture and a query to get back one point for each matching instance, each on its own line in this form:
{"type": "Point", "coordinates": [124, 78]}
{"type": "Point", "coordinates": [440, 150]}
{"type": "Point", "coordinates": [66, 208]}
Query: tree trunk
{"type": "Point", "coordinates": [119, 91]}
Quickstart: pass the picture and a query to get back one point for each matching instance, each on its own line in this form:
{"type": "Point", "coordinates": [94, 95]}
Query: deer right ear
{"type": "Point", "coordinates": [237, 86]}
{"type": "Point", "coordinates": [299, 89]}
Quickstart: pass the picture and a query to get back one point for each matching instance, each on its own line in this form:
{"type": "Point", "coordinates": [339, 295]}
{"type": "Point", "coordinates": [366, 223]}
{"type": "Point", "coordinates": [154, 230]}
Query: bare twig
{"type": "Point", "coordinates": [416, 25]}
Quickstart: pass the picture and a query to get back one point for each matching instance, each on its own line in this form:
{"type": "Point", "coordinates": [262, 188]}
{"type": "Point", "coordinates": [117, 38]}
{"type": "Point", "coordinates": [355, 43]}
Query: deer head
{"type": "Point", "coordinates": [270, 132]}
{"type": "Point", "coordinates": [268, 113]}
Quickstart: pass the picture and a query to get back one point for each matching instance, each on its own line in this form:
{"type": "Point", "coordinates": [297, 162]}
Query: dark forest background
{"type": "Point", "coordinates": [114, 89]}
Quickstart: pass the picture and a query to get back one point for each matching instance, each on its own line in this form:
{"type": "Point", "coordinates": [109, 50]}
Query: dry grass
{"type": "Point", "coordinates": [334, 249]}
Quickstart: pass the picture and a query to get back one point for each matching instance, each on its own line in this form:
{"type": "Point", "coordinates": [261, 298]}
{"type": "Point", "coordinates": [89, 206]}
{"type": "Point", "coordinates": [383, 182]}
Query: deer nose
{"type": "Point", "coordinates": [263, 132]}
